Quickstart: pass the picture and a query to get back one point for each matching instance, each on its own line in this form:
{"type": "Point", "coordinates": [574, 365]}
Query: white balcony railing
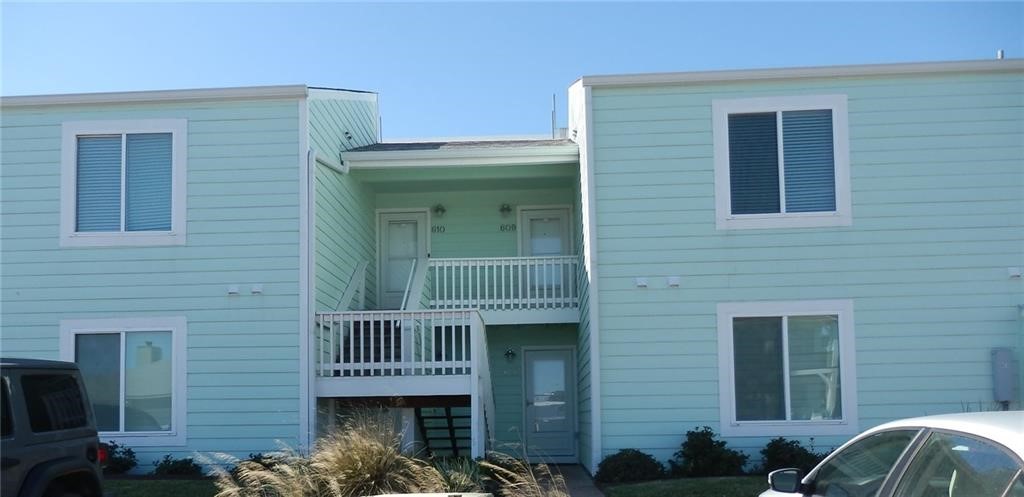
{"type": "Point", "coordinates": [373, 346]}
{"type": "Point", "coordinates": [503, 283]}
{"type": "Point", "coordinates": [394, 343]}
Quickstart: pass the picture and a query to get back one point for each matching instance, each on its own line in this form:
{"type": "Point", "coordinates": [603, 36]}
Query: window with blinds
{"type": "Point", "coordinates": [781, 162]}
{"type": "Point", "coordinates": [791, 171]}
{"type": "Point", "coordinates": [124, 183]}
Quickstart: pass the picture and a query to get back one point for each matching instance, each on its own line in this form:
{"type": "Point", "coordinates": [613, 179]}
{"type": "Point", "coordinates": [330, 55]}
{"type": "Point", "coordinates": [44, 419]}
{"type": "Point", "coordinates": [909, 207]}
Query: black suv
{"type": "Point", "coordinates": [48, 443]}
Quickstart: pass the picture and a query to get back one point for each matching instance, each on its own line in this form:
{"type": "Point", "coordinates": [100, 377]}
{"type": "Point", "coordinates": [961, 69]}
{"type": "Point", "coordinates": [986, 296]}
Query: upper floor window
{"type": "Point", "coordinates": [787, 368]}
{"type": "Point", "coordinates": [123, 182]}
{"type": "Point", "coordinates": [781, 162]}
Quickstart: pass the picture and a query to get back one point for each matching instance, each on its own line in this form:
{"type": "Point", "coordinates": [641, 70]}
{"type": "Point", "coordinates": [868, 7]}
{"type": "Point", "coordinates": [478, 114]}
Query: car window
{"type": "Point", "coordinates": [1017, 487]}
{"type": "Point", "coordinates": [6, 422]}
{"type": "Point", "coordinates": [54, 402]}
{"type": "Point", "coordinates": [950, 465]}
{"type": "Point", "coordinates": [860, 469]}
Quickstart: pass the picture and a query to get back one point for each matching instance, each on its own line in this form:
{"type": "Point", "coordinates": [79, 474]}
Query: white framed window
{"type": "Point", "coordinates": [787, 368]}
{"type": "Point", "coordinates": [781, 162]}
{"type": "Point", "coordinates": [134, 373]}
{"type": "Point", "coordinates": [123, 182]}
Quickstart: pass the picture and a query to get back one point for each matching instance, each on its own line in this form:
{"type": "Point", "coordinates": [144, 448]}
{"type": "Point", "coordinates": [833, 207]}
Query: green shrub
{"type": "Point", "coordinates": [703, 455]}
{"type": "Point", "coordinates": [169, 466]}
{"type": "Point", "coordinates": [458, 474]}
{"type": "Point", "coordinates": [120, 459]}
{"type": "Point", "coordinates": [363, 457]}
{"type": "Point", "coordinates": [259, 460]}
{"type": "Point", "coordinates": [629, 465]}
{"type": "Point", "coordinates": [514, 477]}
{"type": "Point", "coordinates": [781, 453]}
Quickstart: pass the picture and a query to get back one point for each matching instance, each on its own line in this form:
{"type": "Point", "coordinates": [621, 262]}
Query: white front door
{"type": "Point", "coordinates": [544, 232]}
{"type": "Point", "coordinates": [403, 239]}
{"type": "Point", "coordinates": [550, 410]}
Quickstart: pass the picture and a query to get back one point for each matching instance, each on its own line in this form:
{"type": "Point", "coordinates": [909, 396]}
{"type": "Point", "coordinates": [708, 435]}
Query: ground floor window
{"type": "Point", "coordinates": [787, 368]}
{"type": "Point", "coordinates": [134, 375]}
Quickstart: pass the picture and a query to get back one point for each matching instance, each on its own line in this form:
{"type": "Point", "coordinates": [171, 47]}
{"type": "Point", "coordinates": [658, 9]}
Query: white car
{"type": "Point", "coordinates": [953, 455]}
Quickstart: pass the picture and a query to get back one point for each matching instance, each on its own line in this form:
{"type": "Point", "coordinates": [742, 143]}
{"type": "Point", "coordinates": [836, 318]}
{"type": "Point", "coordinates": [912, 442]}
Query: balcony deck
{"type": "Point", "coordinates": [507, 290]}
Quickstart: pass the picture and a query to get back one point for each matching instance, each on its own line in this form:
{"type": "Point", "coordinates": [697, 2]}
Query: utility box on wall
{"type": "Point", "coordinates": [1004, 375]}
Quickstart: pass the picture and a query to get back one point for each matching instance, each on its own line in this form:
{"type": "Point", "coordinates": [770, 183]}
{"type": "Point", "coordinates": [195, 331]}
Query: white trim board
{"type": "Point", "coordinates": [720, 111]}
{"type": "Point", "coordinates": [843, 308]}
{"type": "Point", "coordinates": [484, 156]}
{"type": "Point", "coordinates": [392, 386]}
{"type": "Point", "coordinates": [152, 96]}
{"type": "Point", "coordinates": [695, 77]}
{"type": "Point", "coordinates": [307, 280]}
{"type": "Point", "coordinates": [178, 326]}
{"type": "Point", "coordinates": [70, 131]}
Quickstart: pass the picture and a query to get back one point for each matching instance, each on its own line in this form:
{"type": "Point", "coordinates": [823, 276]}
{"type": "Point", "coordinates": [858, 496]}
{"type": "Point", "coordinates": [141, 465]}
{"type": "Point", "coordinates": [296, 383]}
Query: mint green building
{"type": "Point", "coordinates": [791, 252]}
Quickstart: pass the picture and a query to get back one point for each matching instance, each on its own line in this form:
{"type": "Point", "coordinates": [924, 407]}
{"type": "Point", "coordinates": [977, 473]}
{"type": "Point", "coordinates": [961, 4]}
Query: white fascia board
{"type": "Point", "coordinates": [202, 94]}
{"type": "Point", "coordinates": [648, 79]}
{"type": "Point", "coordinates": [342, 94]}
{"type": "Point", "coordinates": [557, 154]}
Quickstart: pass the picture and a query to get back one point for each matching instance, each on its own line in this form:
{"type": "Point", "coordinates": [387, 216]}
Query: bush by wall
{"type": "Point", "coordinates": [629, 465]}
{"type": "Point", "coordinates": [781, 453]}
{"type": "Point", "coordinates": [169, 466]}
{"type": "Point", "coordinates": [120, 459]}
{"type": "Point", "coordinates": [703, 455]}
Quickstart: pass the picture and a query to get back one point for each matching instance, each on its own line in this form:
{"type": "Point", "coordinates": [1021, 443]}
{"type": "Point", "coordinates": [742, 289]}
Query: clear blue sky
{"type": "Point", "coordinates": [448, 69]}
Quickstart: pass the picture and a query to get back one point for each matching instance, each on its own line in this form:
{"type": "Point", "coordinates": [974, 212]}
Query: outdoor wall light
{"type": "Point", "coordinates": [439, 210]}
{"type": "Point", "coordinates": [510, 355]}
{"type": "Point", "coordinates": [505, 210]}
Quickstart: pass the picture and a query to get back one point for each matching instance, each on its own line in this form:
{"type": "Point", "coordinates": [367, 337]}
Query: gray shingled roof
{"type": "Point", "coordinates": [460, 145]}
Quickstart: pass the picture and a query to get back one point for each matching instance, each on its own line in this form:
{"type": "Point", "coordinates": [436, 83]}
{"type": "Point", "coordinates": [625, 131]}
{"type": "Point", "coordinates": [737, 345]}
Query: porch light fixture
{"type": "Point", "coordinates": [510, 355]}
{"type": "Point", "coordinates": [505, 210]}
{"type": "Point", "coordinates": [439, 210]}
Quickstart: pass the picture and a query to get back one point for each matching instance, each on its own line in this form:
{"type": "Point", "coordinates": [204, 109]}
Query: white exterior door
{"type": "Point", "coordinates": [403, 239]}
{"type": "Point", "coordinates": [544, 232]}
{"type": "Point", "coordinates": [550, 410]}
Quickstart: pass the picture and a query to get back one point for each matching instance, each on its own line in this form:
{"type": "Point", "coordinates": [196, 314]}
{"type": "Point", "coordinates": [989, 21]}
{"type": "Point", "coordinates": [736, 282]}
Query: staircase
{"type": "Point", "coordinates": [446, 431]}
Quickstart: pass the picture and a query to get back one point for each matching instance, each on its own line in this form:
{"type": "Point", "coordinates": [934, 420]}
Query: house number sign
{"type": "Point", "coordinates": [508, 227]}
{"type": "Point", "coordinates": [437, 228]}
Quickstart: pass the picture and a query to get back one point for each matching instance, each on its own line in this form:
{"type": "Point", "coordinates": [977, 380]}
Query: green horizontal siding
{"type": "Point", "coordinates": [243, 229]}
{"type": "Point", "coordinates": [472, 223]}
{"type": "Point", "coordinates": [345, 232]}
{"type": "Point", "coordinates": [507, 376]}
{"type": "Point", "coordinates": [936, 188]}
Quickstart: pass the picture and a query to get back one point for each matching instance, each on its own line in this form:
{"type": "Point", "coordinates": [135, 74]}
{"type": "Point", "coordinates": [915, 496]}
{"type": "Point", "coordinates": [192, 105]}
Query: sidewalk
{"type": "Point", "coordinates": [578, 481]}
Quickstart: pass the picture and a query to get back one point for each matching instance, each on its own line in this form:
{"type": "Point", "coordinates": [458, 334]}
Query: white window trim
{"type": "Point", "coordinates": [70, 131]}
{"type": "Point", "coordinates": [720, 110]}
{"type": "Point", "coordinates": [847, 368]}
{"type": "Point", "coordinates": [178, 326]}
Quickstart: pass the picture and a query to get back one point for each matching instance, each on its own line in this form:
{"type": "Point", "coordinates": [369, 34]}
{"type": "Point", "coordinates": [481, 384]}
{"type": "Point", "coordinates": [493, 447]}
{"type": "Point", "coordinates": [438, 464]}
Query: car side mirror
{"type": "Point", "coordinates": [785, 480]}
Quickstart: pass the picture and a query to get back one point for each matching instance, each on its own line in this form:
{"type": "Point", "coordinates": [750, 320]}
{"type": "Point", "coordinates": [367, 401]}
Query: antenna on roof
{"type": "Point", "coordinates": [554, 129]}
{"type": "Point", "coordinates": [999, 54]}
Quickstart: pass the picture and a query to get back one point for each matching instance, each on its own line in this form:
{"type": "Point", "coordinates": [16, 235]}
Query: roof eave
{"type": "Point", "coordinates": [192, 95]}
{"type": "Point", "coordinates": [650, 79]}
{"type": "Point", "coordinates": [394, 159]}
